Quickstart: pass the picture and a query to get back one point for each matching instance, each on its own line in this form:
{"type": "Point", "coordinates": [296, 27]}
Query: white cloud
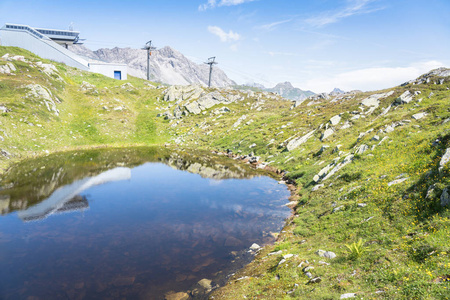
{"type": "Point", "coordinates": [213, 3]}
{"type": "Point", "coordinates": [370, 79]}
{"type": "Point", "coordinates": [224, 37]}
{"type": "Point", "coordinates": [271, 26]}
{"type": "Point", "coordinates": [272, 53]}
{"type": "Point", "coordinates": [234, 47]}
{"type": "Point", "coordinates": [354, 7]}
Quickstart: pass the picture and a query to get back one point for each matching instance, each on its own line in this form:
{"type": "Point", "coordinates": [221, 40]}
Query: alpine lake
{"type": "Point", "coordinates": [135, 223]}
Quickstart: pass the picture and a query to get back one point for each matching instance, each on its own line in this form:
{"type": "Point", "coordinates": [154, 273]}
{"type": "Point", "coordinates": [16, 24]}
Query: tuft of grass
{"type": "Point", "coordinates": [356, 249]}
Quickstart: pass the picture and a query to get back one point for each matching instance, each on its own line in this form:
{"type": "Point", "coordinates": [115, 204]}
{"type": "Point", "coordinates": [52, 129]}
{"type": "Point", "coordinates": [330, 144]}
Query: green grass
{"type": "Point", "coordinates": [405, 233]}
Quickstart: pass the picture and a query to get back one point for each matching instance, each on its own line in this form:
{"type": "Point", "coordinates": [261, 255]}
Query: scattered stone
{"type": "Point", "coordinates": [376, 138]}
{"type": "Point", "coordinates": [252, 146]}
{"type": "Point", "coordinates": [346, 125]}
{"type": "Point", "coordinates": [368, 219]}
{"type": "Point", "coordinates": [275, 253]}
{"type": "Point", "coordinates": [348, 295]}
{"type": "Point", "coordinates": [306, 269]}
{"type": "Point", "coordinates": [287, 256]}
{"type": "Point", "coordinates": [315, 280]}
{"type": "Point", "coordinates": [239, 121]}
{"type": "Point", "coordinates": [326, 254]}
{"type": "Point", "coordinates": [336, 209]}
{"type": "Point", "coordinates": [317, 187]}
{"type": "Point", "coordinates": [316, 178]}
{"type": "Point", "coordinates": [323, 263]}
{"type": "Point", "coordinates": [309, 275]}
{"type": "Point", "coordinates": [389, 129]}
{"type": "Point", "coordinates": [362, 205]}
{"type": "Point", "coordinates": [397, 181]}
{"type": "Point", "coordinates": [419, 116]}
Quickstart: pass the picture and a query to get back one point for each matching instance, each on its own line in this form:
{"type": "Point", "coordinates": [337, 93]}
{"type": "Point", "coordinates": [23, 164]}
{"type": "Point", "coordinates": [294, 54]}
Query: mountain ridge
{"type": "Point", "coordinates": [167, 65]}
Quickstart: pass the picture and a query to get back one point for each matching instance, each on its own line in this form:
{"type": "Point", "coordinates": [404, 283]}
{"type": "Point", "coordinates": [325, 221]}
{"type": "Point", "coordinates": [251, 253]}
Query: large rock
{"type": "Point", "coordinates": [406, 97]}
{"type": "Point", "coordinates": [373, 100]}
{"type": "Point", "coordinates": [335, 120]}
{"type": "Point", "coordinates": [326, 134]}
{"type": "Point", "coordinates": [445, 159]}
{"type": "Point", "coordinates": [298, 141]}
{"type": "Point", "coordinates": [193, 108]}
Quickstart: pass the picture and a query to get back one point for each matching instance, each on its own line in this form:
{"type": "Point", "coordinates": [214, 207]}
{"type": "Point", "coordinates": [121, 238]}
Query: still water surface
{"type": "Point", "coordinates": [132, 225]}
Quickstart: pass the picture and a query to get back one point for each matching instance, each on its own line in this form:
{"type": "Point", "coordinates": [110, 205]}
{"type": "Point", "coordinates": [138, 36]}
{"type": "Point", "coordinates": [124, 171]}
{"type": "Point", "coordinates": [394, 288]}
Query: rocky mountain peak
{"type": "Point", "coordinates": [167, 65]}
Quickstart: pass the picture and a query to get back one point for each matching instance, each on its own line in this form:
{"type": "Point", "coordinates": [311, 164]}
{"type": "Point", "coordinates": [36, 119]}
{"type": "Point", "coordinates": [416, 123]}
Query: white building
{"type": "Point", "coordinates": [52, 44]}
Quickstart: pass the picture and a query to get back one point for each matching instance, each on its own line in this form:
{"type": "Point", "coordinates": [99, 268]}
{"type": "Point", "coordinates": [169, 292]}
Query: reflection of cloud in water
{"type": "Point", "coordinates": [60, 197]}
{"type": "Point", "coordinates": [252, 209]}
{"type": "Point", "coordinates": [215, 182]}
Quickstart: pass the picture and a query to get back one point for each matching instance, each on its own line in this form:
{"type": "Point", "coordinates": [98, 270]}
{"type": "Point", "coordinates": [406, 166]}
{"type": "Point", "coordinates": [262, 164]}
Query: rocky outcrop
{"type": "Point", "coordinates": [39, 92]}
{"type": "Point", "coordinates": [404, 98]}
{"type": "Point", "coordinates": [426, 78]}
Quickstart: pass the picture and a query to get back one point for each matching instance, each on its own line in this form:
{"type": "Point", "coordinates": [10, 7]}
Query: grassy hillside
{"type": "Point", "coordinates": [91, 109]}
{"type": "Point", "coordinates": [370, 192]}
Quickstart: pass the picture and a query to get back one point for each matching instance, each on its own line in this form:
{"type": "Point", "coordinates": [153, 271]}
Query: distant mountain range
{"type": "Point", "coordinates": [287, 91]}
{"type": "Point", "coordinates": [167, 65]}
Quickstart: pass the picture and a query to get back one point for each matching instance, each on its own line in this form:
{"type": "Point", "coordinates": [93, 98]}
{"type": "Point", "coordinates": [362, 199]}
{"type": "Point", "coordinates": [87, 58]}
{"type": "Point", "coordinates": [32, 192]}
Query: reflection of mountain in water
{"type": "Point", "coordinates": [66, 198]}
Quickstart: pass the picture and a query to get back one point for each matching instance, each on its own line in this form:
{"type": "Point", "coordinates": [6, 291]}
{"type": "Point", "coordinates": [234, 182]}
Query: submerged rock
{"type": "Point", "coordinates": [445, 197]}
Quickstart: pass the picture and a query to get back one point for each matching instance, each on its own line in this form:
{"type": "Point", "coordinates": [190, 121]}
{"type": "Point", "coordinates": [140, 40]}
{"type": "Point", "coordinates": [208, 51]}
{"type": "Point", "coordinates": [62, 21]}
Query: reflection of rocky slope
{"type": "Point", "coordinates": [207, 168]}
{"type": "Point", "coordinates": [61, 198]}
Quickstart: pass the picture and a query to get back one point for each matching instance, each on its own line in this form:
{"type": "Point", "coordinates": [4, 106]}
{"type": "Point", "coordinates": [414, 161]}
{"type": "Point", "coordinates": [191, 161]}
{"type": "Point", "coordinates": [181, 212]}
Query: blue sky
{"type": "Point", "coordinates": [317, 45]}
